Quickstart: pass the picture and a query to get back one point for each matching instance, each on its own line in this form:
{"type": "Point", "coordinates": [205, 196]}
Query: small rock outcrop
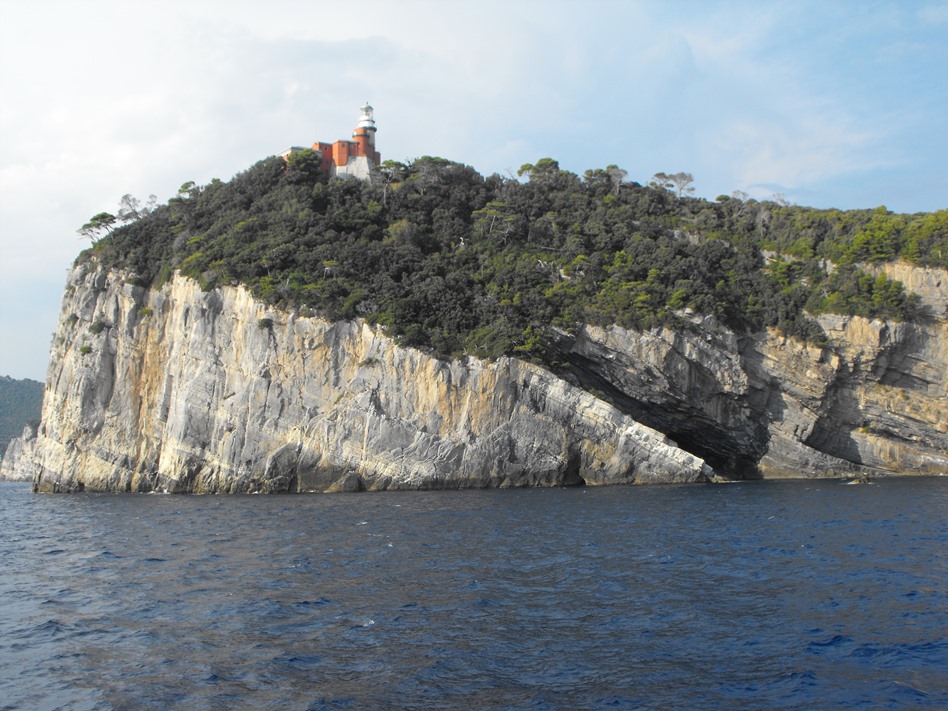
{"type": "Point", "coordinates": [180, 390]}
{"type": "Point", "coordinates": [20, 450]}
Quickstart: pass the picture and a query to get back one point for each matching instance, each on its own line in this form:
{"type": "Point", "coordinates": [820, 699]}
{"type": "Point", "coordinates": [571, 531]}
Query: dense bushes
{"type": "Point", "coordinates": [448, 259]}
{"type": "Point", "coordinates": [851, 237]}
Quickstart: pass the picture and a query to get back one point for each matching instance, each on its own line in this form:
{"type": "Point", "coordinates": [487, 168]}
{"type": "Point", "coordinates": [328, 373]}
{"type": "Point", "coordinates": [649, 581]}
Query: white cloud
{"type": "Point", "coordinates": [934, 13]}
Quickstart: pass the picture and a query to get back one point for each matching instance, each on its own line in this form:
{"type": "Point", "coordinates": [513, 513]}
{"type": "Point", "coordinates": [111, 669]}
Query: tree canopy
{"type": "Point", "coordinates": [97, 224]}
{"type": "Point", "coordinates": [447, 259]}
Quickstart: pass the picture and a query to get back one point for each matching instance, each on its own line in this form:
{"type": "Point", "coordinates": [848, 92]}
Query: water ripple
{"type": "Point", "coordinates": [778, 595]}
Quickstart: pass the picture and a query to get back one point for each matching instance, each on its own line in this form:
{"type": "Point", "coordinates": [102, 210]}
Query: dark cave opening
{"type": "Point", "coordinates": [683, 423]}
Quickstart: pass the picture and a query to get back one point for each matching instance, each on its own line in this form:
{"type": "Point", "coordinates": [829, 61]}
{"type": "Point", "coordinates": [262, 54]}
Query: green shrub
{"type": "Point", "coordinates": [448, 260]}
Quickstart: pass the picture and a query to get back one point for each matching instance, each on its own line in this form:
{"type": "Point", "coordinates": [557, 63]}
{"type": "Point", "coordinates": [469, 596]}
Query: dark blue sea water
{"type": "Point", "coordinates": [767, 595]}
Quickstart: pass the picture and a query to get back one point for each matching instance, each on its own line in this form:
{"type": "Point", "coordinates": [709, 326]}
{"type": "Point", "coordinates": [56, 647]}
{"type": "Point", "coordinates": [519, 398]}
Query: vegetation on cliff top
{"type": "Point", "coordinates": [448, 259]}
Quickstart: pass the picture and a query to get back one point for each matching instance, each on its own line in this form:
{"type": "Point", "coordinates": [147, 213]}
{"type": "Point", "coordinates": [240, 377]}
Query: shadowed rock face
{"type": "Point", "coordinates": [875, 401]}
{"type": "Point", "coordinates": [188, 391]}
{"type": "Point", "coordinates": [687, 383]}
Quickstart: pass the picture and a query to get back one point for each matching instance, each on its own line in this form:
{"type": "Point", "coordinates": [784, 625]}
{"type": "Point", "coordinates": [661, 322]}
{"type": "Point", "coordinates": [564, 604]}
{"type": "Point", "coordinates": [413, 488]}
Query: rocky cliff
{"type": "Point", "coordinates": [179, 390]}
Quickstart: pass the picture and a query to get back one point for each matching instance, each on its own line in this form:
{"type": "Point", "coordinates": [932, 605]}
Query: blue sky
{"type": "Point", "coordinates": [831, 104]}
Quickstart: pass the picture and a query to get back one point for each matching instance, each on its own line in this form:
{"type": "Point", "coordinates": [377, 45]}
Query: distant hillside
{"type": "Point", "coordinates": [20, 402]}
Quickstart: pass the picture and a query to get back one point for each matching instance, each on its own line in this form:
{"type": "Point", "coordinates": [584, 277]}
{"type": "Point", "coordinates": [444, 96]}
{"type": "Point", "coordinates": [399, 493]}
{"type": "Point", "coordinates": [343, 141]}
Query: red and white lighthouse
{"type": "Point", "coordinates": [364, 133]}
{"type": "Point", "coordinates": [356, 158]}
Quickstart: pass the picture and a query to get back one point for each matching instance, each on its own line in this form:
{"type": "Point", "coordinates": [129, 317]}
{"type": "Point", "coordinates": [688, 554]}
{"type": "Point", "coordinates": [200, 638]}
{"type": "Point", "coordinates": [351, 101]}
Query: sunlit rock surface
{"type": "Point", "coordinates": [179, 390]}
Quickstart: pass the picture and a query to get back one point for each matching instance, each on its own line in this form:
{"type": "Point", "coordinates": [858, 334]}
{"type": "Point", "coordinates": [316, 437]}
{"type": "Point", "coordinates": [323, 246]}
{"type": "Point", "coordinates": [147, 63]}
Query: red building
{"type": "Point", "coordinates": [354, 158]}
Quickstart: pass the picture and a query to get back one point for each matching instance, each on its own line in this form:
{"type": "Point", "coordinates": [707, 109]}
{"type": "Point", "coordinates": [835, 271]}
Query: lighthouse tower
{"type": "Point", "coordinates": [364, 133]}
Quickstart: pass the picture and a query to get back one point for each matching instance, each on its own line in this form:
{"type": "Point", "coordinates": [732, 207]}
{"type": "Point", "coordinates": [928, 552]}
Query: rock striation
{"type": "Point", "coordinates": [180, 390]}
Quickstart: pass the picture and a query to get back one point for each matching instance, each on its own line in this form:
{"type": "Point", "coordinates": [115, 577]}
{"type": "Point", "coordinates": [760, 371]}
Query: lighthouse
{"type": "Point", "coordinates": [356, 158]}
{"type": "Point", "coordinates": [364, 133]}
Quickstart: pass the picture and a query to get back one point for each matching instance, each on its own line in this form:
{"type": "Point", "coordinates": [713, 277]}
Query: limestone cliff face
{"type": "Point", "coordinates": [930, 284]}
{"type": "Point", "coordinates": [874, 401]}
{"type": "Point", "coordinates": [188, 391]}
{"type": "Point", "coordinates": [19, 450]}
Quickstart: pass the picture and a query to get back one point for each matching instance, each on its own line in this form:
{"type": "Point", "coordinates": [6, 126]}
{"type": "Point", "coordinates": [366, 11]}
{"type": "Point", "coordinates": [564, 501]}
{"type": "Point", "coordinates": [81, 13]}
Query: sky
{"type": "Point", "coordinates": [828, 104]}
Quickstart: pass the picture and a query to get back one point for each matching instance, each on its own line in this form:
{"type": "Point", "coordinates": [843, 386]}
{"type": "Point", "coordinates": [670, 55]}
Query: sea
{"type": "Point", "coordinates": [809, 594]}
